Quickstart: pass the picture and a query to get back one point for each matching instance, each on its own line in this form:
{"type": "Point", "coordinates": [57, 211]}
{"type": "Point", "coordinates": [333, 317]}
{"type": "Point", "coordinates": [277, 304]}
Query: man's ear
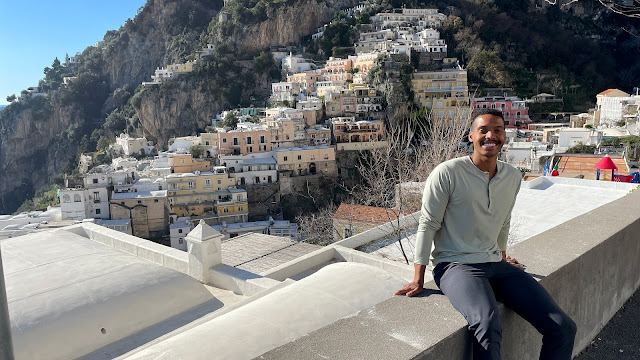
{"type": "Point", "coordinates": [471, 136]}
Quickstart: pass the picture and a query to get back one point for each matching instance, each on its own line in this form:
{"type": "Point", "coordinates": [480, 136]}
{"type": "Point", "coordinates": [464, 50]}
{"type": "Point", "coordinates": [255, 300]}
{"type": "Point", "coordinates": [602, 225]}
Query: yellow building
{"type": "Point", "coordinates": [444, 92]}
{"type": "Point", "coordinates": [309, 160]}
{"type": "Point", "coordinates": [185, 163]}
{"type": "Point", "coordinates": [211, 194]}
{"type": "Point", "coordinates": [181, 68]}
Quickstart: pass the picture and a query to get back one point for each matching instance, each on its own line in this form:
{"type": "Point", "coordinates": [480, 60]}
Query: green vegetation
{"type": "Point", "coordinates": [42, 199]}
{"type": "Point", "coordinates": [196, 151]}
{"type": "Point", "coordinates": [581, 149]}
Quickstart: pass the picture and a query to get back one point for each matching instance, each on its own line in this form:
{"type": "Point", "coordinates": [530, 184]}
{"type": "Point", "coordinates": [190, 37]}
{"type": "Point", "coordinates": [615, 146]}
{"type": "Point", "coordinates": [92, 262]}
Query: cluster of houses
{"type": "Point", "coordinates": [167, 192]}
{"type": "Point", "coordinates": [615, 116]}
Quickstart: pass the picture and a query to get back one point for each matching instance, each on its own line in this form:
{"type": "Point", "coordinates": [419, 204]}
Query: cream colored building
{"type": "Point", "coordinates": [147, 210]}
{"type": "Point", "coordinates": [185, 163]}
{"type": "Point", "coordinates": [444, 92]}
{"type": "Point", "coordinates": [308, 160]}
{"type": "Point", "coordinates": [211, 194]}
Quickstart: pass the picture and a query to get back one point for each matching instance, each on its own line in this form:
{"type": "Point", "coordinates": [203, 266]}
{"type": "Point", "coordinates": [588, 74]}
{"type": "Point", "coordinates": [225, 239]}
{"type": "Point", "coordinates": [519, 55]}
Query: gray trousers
{"type": "Point", "coordinates": [473, 290]}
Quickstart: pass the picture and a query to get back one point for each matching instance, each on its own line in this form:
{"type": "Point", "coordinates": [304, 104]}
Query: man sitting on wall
{"type": "Point", "coordinates": [466, 213]}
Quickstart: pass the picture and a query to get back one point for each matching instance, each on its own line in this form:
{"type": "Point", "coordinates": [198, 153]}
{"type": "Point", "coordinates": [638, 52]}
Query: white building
{"type": "Point", "coordinates": [297, 64]}
{"type": "Point", "coordinates": [177, 232]}
{"type": "Point", "coordinates": [611, 105]}
{"type": "Point", "coordinates": [126, 145]}
{"type": "Point", "coordinates": [568, 137]}
{"type": "Point", "coordinates": [285, 91]}
{"type": "Point", "coordinates": [254, 168]}
{"type": "Point", "coordinates": [78, 204]}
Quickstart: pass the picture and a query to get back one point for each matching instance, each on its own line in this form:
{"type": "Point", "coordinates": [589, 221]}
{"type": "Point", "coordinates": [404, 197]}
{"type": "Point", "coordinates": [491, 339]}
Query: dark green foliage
{"type": "Point", "coordinates": [581, 149]}
{"type": "Point", "coordinates": [230, 121]}
{"type": "Point", "coordinates": [340, 35]}
{"type": "Point", "coordinates": [53, 76]}
{"type": "Point", "coordinates": [196, 151]}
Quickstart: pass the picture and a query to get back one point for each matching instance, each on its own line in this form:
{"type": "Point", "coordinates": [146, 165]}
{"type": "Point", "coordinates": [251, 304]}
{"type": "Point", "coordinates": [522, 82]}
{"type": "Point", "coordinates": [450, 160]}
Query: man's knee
{"type": "Point", "coordinates": [562, 327]}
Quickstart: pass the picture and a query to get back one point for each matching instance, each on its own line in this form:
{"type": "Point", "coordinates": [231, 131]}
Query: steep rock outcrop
{"type": "Point", "coordinates": [287, 25]}
{"type": "Point", "coordinates": [178, 110]}
{"type": "Point", "coordinates": [28, 161]}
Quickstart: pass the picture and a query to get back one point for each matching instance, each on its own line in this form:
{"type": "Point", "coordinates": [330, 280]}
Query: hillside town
{"type": "Point", "coordinates": [287, 224]}
{"type": "Point", "coordinates": [234, 175]}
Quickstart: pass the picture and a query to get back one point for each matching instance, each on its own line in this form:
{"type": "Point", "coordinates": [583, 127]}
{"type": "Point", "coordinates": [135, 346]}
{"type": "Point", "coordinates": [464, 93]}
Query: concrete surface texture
{"type": "Point", "coordinates": [619, 339]}
{"type": "Point", "coordinates": [69, 296]}
{"type": "Point", "coordinates": [588, 264]}
{"type": "Point", "coordinates": [281, 316]}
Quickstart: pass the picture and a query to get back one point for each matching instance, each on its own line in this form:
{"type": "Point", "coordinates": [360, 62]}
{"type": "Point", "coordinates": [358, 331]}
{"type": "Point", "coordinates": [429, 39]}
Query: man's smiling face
{"type": "Point", "coordinates": [487, 135]}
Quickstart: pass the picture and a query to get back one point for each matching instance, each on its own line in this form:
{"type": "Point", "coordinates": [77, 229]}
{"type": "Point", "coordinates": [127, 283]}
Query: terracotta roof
{"type": "Point", "coordinates": [607, 91]}
{"type": "Point", "coordinates": [365, 214]}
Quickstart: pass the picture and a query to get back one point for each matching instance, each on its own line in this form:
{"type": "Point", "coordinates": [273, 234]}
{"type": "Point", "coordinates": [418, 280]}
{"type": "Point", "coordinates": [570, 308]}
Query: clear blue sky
{"type": "Point", "coordinates": [35, 32]}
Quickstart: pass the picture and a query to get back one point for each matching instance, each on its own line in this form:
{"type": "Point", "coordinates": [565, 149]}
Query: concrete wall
{"type": "Point", "coordinates": [588, 264]}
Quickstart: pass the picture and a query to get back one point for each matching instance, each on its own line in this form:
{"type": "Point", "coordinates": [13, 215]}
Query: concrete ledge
{"type": "Point", "coordinates": [589, 265]}
{"type": "Point", "coordinates": [407, 221]}
{"type": "Point", "coordinates": [301, 264]}
{"type": "Point", "coordinates": [239, 281]}
{"type": "Point", "coordinates": [146, 249]}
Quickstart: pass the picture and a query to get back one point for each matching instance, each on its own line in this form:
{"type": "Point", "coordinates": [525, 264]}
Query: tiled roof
{"type": "Point", "coordinates": [365, 214]}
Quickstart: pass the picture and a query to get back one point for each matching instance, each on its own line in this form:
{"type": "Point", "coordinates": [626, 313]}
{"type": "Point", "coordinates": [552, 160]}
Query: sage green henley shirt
{"type": "Point", "coordinates": [464, 214]}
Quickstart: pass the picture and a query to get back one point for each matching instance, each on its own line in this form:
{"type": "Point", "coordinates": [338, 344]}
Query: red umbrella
{"type": "Point", "coordinates": [605, 164]}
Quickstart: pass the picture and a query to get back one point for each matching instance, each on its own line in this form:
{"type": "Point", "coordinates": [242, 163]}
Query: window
{"type": "Point", "coordinates": [326, 156]}
{"type": "Point", "coordinates": [261, 139]}
{"type": "Point", "coordinates": [175, 186]}
{"type": "Point", "coordinates": [77, 198]}
{"type": "Point", "coordinates": [240, 208]}
{"type": "Point", "coordinates": [518, 113]}
{"type": "Point", "coordinates": [235, 141]}
{"type": "Point", "coordinates": [299, 157]}
{"type": "Point", "coordinates": [248, 139]}
{"type": "Point", "coordinates": [285, 158]}
{"type": "Point", "coordinates": [180, 241]}
{"type": "Point", "coordinates": [179, 231]}
{"type": "Point", "coordinates": [95, 181]}
{"type": "Point", "coordinates": [226, 209]}
{"type": "Point", "coordinates": [206, 143]}
{"type": "Point", "coordinates": [207, 182]}
{"type": "Point", "coordinates": [224, 140]}
{"type": "Point", "coordinates": [250, 148]}
{"type": "Point", "coordinates": [191, 185]}
{"type": "Point", "coordinates": [139, 201]}
{"type": "Point", "coordinates": [493, 106]}
{"type": "Point", "coordinates": [66, 198]}
{"type": "Point", "coordinates": [249, 168]}
{"type": "Point", "coordinates": [96, 196]}
{"type": "Point", "coordinates": [155, 200]}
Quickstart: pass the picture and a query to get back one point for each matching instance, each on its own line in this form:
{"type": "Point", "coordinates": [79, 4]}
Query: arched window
{"type": "Point", "coordinates": [66, 198]}
{"type": "Point", "coordinates": [77, 198]}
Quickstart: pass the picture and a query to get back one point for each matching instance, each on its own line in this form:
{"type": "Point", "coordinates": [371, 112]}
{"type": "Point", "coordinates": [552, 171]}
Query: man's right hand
{"type": "Point", "coordinates": [411, 289]}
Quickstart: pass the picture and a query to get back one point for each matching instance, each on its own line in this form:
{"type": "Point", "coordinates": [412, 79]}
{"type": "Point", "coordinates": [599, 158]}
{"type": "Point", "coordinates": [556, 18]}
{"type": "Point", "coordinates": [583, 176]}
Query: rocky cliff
{"type": "Point", "coordinates": [286, 25]}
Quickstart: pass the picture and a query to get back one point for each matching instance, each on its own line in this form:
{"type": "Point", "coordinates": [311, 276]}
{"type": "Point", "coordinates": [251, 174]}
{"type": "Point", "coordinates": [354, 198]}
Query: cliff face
{"type": "Point", "coordinates": [28, 160]}
{"type": "Point", "coordinates": [179, 111]}
{"type": "Point", "coordinates": [39, 146]}
{"type": "Point", "coordinates": [162, 33]}
{"type": "Point", "coordinates": [287, 25]}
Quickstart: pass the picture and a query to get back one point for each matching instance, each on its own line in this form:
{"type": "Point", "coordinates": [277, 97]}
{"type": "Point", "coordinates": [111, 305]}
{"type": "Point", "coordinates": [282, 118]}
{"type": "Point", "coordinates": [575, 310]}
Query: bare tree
{"type": "Point", "coordinates": [629, 8]}
{"type": "Point", "coordinates": [318, 228]}
{"type": "Point", "coordinates": [414, 148]}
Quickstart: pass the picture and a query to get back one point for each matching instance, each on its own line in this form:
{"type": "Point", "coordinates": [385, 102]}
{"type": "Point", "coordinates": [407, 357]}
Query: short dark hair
{"type": "Point", "coordinates": [494, 112]}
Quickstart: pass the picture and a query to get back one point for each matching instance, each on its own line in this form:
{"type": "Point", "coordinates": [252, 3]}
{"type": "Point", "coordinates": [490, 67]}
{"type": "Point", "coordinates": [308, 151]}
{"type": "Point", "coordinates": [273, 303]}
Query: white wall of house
{"type": "Point", "coordinates": [177, 233]}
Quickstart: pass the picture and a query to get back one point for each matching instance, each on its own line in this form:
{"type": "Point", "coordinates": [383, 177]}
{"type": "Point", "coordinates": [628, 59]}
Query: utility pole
{"type": "Point", "coordinates": [6, 345]}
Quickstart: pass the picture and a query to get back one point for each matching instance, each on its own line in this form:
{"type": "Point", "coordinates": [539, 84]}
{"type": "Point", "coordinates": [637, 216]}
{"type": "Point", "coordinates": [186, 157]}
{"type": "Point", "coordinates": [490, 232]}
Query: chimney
{"type": "Point", "coordinates": [205, 251]}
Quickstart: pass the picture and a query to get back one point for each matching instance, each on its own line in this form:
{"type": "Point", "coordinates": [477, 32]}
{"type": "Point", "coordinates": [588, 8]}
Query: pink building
{"type": "Point", "coordinates": [244, 141]}
{"type": "Point", "coordinates": [515, 111]}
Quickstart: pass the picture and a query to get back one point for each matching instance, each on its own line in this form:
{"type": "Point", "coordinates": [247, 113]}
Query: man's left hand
{"type": "Point", "coordinates": [513, 262]}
